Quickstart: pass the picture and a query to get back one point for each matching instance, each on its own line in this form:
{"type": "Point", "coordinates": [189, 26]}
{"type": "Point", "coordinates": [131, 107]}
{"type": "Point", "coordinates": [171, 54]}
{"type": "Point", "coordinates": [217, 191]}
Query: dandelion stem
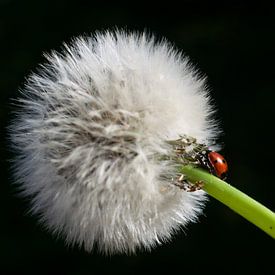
{"type": "Point", "coordinates": [247, 207]}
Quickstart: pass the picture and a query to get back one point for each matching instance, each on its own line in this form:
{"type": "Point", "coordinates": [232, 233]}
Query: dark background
{"type": "Point", "coordinates": [234, 45]}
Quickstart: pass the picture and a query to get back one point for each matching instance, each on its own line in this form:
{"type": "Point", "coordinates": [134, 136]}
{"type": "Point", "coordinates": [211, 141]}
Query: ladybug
{"type": "Point", "coordinates": [214, 162]}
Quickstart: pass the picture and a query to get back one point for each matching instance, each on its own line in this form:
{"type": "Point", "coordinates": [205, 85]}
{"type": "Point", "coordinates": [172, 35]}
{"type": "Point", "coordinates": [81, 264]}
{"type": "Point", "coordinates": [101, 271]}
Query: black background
{"type": "Point", "coordinates": [231, 43]}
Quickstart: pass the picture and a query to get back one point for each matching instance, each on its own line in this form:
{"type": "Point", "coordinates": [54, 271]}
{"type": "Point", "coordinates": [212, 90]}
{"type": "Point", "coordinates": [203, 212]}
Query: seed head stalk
{"type": "Point", "coordinates": [239, 202]}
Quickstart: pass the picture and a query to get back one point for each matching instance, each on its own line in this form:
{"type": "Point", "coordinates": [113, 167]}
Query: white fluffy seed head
{"type": "Point", "coordinates": [88, 133]}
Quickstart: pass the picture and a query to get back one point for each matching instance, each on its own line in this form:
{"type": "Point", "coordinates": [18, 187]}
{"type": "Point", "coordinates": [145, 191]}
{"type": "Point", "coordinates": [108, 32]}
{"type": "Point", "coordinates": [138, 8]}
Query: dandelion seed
{"type": "Point", "coordinates": [88, 132]}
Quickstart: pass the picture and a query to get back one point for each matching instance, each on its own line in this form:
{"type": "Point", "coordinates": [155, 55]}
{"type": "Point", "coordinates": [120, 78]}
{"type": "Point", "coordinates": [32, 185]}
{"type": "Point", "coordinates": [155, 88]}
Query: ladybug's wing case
{"type": "Point", "coordinates": [219, 164]}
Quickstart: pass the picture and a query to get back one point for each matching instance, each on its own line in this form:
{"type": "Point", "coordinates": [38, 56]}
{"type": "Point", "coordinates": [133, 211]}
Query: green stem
{"type": "Point", "coordinates": [247, 207]}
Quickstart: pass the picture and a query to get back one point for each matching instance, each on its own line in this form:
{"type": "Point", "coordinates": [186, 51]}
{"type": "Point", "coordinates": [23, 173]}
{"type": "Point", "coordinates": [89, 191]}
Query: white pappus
{"type": "Point", "coordinates": [87, 136]}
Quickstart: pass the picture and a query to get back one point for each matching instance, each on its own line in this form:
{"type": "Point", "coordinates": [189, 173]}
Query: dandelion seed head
{"type": "Point", "coordinates": [90, 127]}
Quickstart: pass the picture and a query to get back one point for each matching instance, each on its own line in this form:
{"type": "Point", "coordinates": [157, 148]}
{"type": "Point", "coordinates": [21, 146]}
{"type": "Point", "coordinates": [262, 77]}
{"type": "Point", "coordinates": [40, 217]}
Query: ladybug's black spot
{"type": "Point", "coordinates": [223, 160]}
{"type": "Point", "coordinates": [216, 161]}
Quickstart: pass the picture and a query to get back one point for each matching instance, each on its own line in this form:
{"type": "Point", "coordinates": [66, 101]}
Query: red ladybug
{"type": "Point", "coordinates": [214, 162]}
